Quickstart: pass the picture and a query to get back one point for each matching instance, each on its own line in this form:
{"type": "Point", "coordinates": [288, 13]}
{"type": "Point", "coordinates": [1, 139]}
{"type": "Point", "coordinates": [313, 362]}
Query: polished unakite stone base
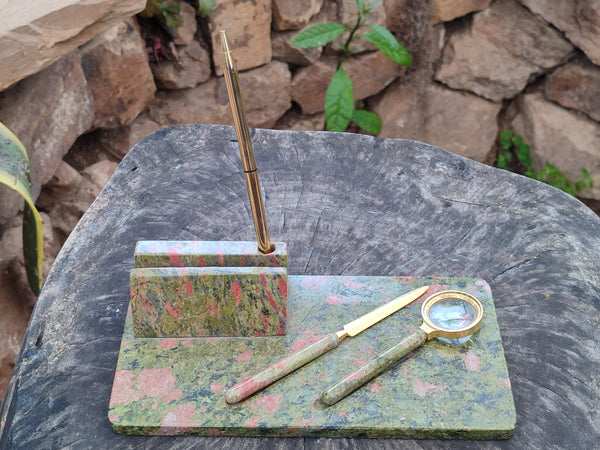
{"type": "Point", "coordinates": [175, 386]}
{"type": "Point", "coordinates": [207, 254]}
{"type": "Point", "coordinates": [208, 288]}
{"type": "Point", "coordinates": [208, 301]}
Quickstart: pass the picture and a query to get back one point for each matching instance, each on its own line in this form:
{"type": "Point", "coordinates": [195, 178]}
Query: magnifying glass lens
{"type": "Point", "coordinates": [452, 314]}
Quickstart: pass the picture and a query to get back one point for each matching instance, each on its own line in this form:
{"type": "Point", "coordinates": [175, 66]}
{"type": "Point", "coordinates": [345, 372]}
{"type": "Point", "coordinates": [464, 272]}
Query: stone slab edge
{"type": "Point", "coordinates": [176, 386]}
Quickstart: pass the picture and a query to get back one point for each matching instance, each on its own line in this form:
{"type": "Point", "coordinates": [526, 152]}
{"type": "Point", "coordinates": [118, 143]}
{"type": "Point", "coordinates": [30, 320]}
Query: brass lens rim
{"type": "Point", "coordinates": [434, 330]}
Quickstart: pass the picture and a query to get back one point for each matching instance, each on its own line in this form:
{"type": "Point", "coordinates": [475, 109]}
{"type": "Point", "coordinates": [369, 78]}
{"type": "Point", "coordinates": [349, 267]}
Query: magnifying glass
{"type": "Point", "coordinates": [452, 316]}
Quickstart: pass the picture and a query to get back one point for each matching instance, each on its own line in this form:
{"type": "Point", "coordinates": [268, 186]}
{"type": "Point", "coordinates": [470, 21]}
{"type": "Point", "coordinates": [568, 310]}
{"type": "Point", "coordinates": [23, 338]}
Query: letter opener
{"type": "Point", "coordinates": [330, 341]}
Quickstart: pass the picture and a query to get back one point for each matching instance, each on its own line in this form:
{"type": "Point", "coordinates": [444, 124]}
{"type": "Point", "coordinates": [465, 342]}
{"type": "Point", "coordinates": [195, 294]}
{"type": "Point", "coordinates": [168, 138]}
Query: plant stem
{"type": "Point", "coordinates": [346, 47]}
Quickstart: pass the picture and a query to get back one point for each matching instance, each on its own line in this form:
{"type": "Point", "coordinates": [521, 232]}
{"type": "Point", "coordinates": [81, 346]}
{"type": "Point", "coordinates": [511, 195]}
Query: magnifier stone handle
{"type": "Point", "coordinates": [280, 369]}
{"type": "Point", "coordinates": [373, 368]}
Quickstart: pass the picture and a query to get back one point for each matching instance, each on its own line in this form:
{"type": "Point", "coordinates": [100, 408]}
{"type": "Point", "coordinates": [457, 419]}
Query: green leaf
{"type": "Point", "coordinates": [168, 15]}
{"type": "Point", "coordinates": [388, 44]}
{"type": "Point", "coordinates": [318, 35]}
{"type": "Point", "coordinates": [587, 178]}
{"type": "Point", "coordinates": [33, 246]}
{"type": "Point", "coordinates": [501, 161]}
{"type": "Point", "coordinates": [372, 6]}
{"type": "Point", "coordinates": [15, 173]}
{"type": "Point", "coordinates": [523, 155]}
{"type": "Point", "coordinates": [517, 140]}
{"type": "Point", "coordinates": [367, 120]}
{"type": "Point", "coordinates": [506, 139]}
{"type": "Point", "coordinates": [339, 102]}
{"type": "Point", "coordinates": [151, 9]}
{"type": "Point", "coordinates": [584, 182]}
{"type": "Point", "coordinates": [549, 174]}
{"type": "Point", "coordinates": [205, 7]}
{"type": "Point", "coordinates": [504, 159]}
{"type": "Point", "coordinates": [554, 177]}
{"type": "Point", "coordinates": [360, 4]}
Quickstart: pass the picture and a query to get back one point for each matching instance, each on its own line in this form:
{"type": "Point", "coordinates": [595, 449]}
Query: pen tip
{"type": "Point", "coordinates": [224, 44]}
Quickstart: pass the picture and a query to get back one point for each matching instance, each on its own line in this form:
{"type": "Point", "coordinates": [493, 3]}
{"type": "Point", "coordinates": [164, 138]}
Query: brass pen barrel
{"type": "Point", "coordinates": [246, 151]}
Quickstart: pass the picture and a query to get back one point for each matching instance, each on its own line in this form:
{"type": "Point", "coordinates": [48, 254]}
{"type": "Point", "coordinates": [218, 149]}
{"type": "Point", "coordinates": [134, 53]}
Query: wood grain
{"type": "Point", "coordinates": [346, 205]}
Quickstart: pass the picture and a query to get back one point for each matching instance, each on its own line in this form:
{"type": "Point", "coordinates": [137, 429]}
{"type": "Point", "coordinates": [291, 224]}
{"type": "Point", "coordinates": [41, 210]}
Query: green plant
{"type": "Point", "coordinates": [339, 99]}
{"type": "Point", "coordinates": [515, 156]}
{"type": "Point", "coordinates": [167, 14]}
{"type": "Point", "coordinates": [205, 7]}
{"type": "Point", "coordinates": [15, 173]}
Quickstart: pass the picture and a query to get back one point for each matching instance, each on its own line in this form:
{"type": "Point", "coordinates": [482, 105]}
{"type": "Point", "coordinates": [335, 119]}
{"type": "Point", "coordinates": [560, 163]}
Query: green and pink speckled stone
{"type": "Point", "coordinates": [208, 288]}
{"type": "Point", "coordinates": [176, 385]}
{"type": "Point", "coordinates": [207, 254]}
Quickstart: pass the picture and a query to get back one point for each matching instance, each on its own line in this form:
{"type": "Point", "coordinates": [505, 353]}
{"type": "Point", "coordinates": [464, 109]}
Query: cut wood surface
{"type": "Point", "coordinates": [345, 204]}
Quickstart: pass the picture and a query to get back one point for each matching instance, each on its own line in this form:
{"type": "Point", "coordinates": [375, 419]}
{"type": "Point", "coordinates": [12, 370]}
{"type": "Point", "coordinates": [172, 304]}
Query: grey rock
{"type": "Point", "coordinates": [265, 93]}
{"type": "Point", "coordinates": [447, 10]}
{"type": "Point", "coordinates": [578, 19]}
{"type": "Point", "coordinates": [284, 51]}
{"type": "Point", "coordinates": [195, 68]}
{"type": "Point", "coordinates": [47, 112]}
{"type": "Point", "coordinates": [576, 85]}
{"type": "Point", "coordinates": [430, 115]}
{"type": "Point", "coordinates": [294, 14]}
{"type": "Point", "coordinates": [567, 139]}
{"type": "Point", "coordinates": [248, 26]}
{"type": "Point", "coordinates": [34, 37]}
{"type": "Point", "coordinates": [504, 48]}
{"type": "Point", "coordinates": [117, 71]}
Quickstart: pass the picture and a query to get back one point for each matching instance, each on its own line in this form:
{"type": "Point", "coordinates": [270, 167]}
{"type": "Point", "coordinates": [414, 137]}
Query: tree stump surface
{"type": "Point", "coordinates": [345, 204]}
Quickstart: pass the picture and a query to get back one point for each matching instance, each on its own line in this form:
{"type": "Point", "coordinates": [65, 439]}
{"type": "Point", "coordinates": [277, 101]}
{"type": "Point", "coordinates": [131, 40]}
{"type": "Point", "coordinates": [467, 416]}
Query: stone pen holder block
{"type": "Point", "coordinates": [208, 288]}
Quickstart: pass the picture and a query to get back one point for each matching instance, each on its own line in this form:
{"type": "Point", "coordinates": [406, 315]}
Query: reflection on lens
{"type": "Point", "coordinates": [452, 314]}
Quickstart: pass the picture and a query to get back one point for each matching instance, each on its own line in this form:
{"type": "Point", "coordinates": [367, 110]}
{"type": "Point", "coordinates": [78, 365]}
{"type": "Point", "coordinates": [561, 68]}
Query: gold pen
{"type": "Point", "coordinates": [246, 151]}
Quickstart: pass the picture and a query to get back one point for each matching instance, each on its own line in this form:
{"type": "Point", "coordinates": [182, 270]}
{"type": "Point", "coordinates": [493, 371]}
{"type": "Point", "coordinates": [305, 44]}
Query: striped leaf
{"type": "Point", "coordinates": [15, 173]}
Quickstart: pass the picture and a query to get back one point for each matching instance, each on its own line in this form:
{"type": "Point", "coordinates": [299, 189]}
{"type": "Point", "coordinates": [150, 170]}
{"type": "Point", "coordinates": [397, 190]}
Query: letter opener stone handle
{"type": "Point", "coordinates": [373, 368]}
{"type": "Point", "coordinates": [281, 368]}
{"type": "Point", "coordinates": [296, 360]}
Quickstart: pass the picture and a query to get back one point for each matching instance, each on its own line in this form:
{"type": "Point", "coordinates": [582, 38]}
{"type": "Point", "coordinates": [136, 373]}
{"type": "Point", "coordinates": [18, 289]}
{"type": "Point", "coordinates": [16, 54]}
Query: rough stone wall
{"type": "Point", "coordinates": [479, 66]}
{"type": "Point", "coordinates": [35, 34]}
